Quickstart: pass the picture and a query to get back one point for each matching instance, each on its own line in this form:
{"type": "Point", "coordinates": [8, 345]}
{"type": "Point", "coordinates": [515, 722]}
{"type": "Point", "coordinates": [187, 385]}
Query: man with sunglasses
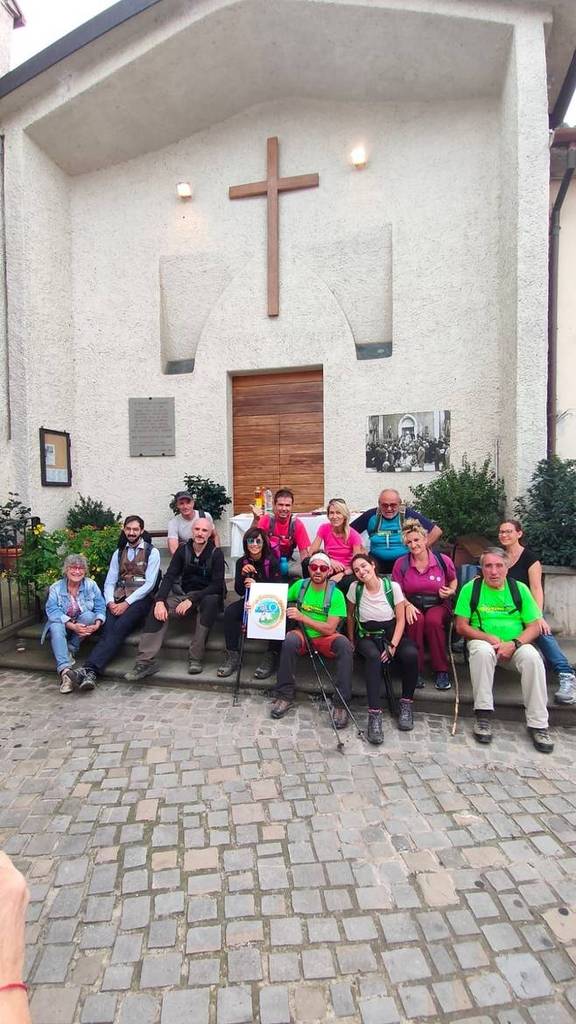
{"type": "Point", "coordinates": [384, 527]}
{"type": "Point", "coordinates": [316, 608]}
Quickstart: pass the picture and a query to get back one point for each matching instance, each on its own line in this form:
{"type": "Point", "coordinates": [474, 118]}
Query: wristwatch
{"type": "Point", "coordinates": [517, 644]}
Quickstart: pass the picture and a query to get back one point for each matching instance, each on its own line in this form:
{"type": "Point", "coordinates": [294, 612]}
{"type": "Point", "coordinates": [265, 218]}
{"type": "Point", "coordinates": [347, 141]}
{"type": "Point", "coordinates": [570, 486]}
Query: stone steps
{"type": "Point", "coordinates": [173, 672]}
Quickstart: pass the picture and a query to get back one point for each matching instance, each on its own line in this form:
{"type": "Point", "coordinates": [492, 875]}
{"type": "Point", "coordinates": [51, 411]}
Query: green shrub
{"type": "Point", "coordinates": [44, 552]}
{"type": "Point", "coordinates": [548, 512]}
{"type": "Point", "coordinates": [14, 518]}
{"type": "Point", "coordinates": [208, 495]}
{"type": "Point", "coordinates": [462, 501]}
{"type": "Point", "coordinates": [88, 512]}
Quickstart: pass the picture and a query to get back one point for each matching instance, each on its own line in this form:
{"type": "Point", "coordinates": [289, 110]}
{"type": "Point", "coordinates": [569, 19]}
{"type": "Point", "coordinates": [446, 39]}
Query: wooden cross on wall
{"type": "Point", "coordinates": [270, 188]}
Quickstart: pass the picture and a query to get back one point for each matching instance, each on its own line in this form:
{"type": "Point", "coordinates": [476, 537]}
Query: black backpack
{"type": "Point", "coordinates": [475, 597]}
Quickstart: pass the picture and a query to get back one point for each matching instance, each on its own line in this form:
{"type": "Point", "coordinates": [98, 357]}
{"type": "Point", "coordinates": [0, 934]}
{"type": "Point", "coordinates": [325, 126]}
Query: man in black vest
{"type": "Point", "coordinates": [193, 585]}
{"type": "Point", "coordinates": [133, 572]}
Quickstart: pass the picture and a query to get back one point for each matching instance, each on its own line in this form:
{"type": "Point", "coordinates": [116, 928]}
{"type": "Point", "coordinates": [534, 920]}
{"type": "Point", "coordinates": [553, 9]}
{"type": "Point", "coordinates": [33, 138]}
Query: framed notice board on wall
{"type": "Point", "coordinates": [55, 465]}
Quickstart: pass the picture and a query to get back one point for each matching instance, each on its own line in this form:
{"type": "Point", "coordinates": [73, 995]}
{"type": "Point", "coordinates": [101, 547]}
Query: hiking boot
{"type": "Point", "coordinates": [142, 669]}
{"type": "Point", "coordinates": [340, 716]}
{"type": "Point", "coordinates": [194, 666]}
{"type": "Point", "coordinates": [66, 681]}
{"type": "Point", "coordinates": [229, 667]}
{"type": "Point", "coordinates": [266, 667]}
{"type": "Point", "coordinates": [482, 730]}
{"type": "Point", "coordinates": [87, 680]}
{"type": "Point", "coordinates": [280, 707]}
{"type": "Point", "coordinates": [443, 681]}
{"type": "Point", "coordinates": [374, 732]}
{"type": "Point", "coordinates": [405, 715]}
{"type": "Point", "coordinates": [566, 692]}
{"type": "Point", "coordinates": [541, 740]}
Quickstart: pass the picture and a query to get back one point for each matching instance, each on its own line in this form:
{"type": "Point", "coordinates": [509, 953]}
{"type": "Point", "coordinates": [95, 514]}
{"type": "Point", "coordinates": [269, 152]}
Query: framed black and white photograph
{"type": "Point", "coordinates": [408, 442]}
{"type": "Point", "coordinates": [55, 465]}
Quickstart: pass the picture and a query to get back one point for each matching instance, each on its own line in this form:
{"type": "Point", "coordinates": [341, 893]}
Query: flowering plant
{"type": "Point", "coordinates": [44, 552]}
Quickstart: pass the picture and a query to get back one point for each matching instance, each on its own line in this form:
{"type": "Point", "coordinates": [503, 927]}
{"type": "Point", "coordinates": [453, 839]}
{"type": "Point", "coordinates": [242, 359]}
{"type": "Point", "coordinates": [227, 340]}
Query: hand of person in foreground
{"type": "Point", "coordinates": [13, 903]}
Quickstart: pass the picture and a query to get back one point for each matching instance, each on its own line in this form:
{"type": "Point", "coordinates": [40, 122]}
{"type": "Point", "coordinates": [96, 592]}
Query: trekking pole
{"type": "Point", "coordinates": [243, 628]}
{"type": "Point", "coordinates": [456, 681]}
{"type": "Point", "coordinates": [340, 745]}
{"type": "Point", "coordinates": [316, 655]}
{"type": "Point", "coordinates": [390, 695]}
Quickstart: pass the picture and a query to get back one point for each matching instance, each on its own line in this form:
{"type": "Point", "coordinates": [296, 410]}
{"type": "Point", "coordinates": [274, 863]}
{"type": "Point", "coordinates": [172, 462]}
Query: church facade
{"type": "Point", "coordinates": [411, 286]}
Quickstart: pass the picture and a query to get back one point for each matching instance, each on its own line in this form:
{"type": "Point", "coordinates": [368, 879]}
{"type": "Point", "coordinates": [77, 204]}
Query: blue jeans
{"type": "Point", "coordinates": [60, 637]}
{"type": "Point", "coordinates": [552, 653]}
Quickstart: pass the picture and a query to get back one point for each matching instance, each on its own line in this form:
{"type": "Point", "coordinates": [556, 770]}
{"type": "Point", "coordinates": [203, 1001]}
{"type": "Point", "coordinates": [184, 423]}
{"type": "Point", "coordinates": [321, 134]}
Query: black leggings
{"type": "Point", "coordinates": [406, 657]}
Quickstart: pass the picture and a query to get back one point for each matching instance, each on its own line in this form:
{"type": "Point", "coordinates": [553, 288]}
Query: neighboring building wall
{"type": "Point", "coordinates": [566, 422]}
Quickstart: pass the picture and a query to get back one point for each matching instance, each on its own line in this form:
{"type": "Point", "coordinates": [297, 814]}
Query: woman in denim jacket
{"type": "Point", "coordinates": [75, 609]}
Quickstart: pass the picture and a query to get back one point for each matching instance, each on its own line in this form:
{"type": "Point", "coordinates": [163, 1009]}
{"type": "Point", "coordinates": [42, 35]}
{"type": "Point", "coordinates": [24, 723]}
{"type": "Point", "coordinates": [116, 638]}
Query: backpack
{"type": "Point", "coordinates": [475, 597]}
{"type": "Point", "coordinates": [207, 568]}
{"type": "Point", "coordinates": [276, 542]}
{"type": "Point", "coordinates": [380, 517]}
{"type": "Point", "coordinates": [389, 595]}
{"type": "Point", "coordinates": [330, 588]}
{"type": "Point", "coordinates": [405, 564]}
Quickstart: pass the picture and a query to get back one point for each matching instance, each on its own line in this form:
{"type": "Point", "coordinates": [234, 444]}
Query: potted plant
{"type": "Point", "coordinates": [208, 495]}
{"type": "Point", "coordinates": [14, 519]}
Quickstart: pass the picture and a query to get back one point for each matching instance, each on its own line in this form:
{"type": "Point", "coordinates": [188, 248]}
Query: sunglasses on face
{"type": "Point", "coordinates": [389, 504]}
{"type": "Point", "coordinates": [319, 567]}
{"type": "Point", "coordinates": [256, 541]}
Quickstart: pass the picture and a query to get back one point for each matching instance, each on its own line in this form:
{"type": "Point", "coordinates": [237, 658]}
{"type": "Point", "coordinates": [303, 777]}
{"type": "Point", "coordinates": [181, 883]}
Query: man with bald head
{"type": "Point", "coordinates": [193, 586]}
{"type": "Point", "coordinates": [384, 527]}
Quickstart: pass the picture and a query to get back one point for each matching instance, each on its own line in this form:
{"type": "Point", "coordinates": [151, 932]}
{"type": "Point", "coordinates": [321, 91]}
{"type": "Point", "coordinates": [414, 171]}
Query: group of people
{"type": "Point", "coordinates": [408, 454]}
{"type": "Point", "coordinates": [389, 598]}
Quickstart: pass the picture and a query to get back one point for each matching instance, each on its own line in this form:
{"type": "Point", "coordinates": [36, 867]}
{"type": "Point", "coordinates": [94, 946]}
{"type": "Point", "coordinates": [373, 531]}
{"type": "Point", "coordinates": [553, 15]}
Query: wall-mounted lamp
{"type": "Point", "coordinates": [358, 157]}
{"type": "Point", "coordinates": [184, 190]}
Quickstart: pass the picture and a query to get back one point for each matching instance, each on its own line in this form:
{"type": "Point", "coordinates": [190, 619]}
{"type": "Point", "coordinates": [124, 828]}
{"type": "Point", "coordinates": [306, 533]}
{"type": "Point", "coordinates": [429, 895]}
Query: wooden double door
{"type": "Point", "coordinates": [278, 430]}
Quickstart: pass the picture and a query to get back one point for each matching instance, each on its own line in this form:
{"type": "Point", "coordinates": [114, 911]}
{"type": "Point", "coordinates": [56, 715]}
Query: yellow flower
{"type": "Point", "coordinates": [39, 529]}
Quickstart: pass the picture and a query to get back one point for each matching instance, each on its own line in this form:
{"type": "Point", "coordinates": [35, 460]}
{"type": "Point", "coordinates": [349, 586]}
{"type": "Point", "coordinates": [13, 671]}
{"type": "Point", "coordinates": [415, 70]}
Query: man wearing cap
{"type": "Point", "coordinates": [316, 608]}
{"type": "Point", "coordinates": [384, 527]}
{"type": "Point", "coordinates": [180, 526]}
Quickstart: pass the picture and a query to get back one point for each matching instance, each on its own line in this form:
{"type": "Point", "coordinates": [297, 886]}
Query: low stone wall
{"type": "Point", "coordinates": [560, 596]}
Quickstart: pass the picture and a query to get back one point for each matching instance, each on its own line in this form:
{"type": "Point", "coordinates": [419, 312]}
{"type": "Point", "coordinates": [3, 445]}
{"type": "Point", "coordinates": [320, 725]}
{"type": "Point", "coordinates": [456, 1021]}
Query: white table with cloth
{"type": "Point", "coordinates": [239, 525]}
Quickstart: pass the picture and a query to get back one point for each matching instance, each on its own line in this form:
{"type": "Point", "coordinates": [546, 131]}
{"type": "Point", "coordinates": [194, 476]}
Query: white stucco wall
{"type": "Point", "coordinates": [566, 423]}
{"type": "Point", "coordinates": [98, 264]}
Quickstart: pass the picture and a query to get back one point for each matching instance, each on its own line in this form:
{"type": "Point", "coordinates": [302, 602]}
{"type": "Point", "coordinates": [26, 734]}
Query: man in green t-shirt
{"type": "Point", "coordinates": [500, 633]}
{"type": "Point", "coordinates": [317, 610]}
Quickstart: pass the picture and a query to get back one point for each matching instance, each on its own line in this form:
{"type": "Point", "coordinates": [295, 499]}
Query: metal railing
{"type": "Point", "coordinates": [17, 599]}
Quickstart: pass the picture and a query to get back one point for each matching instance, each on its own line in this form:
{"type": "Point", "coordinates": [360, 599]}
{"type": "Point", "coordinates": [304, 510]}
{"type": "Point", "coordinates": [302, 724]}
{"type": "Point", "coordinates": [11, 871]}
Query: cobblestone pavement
{"type": "Point", "coordinates": [191, 862]}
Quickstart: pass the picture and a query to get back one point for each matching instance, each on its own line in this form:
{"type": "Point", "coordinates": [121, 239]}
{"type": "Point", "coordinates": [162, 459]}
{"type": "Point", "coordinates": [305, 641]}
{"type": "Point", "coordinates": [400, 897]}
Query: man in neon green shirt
{"type": "Point", "coordinates": [318, 609]}
{"type": "Point", "coordinates": [499, 622]}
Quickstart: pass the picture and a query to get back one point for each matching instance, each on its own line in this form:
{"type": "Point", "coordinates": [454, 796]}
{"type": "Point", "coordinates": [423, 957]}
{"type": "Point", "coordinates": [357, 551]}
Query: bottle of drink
{"type": "Point", "coordinates": [283, 566]}
{"type": "Point", "coordinates": [258, 500]}
{"type": "Point", "coordinates": [268, 502]}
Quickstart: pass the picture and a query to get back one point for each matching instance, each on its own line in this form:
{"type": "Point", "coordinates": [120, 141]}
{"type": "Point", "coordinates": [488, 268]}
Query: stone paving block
{"type": "Point", "coordinates": [162, 934]}
{"type": "Point", "coordinates": [186, 1007]}
{"type": "Point", "coordinates": [562, 922]}
{"type": "Point", "coordinates": [462, 922]}
{"type": "Point", "coordinates": [488, 989]}
{"type": "Point", "coordinates": [286, 932]}
{"type": "Point", "coordinates": [244, 964]}
{"type": "Point", "coordinates": [117, 978]}
{"type": "Point", "coordinates": [98, 936]}
{"type": "Point", "coordinates": [204, 939]}
{"type": "Point", "coordinates": [550, 1013]}
{"type": "Point", "coordinates": [139, 1008]}
{"type": "Point", "coordinates": [169, 903]}
{"type": "Point", "coordinates": [239, 906]}
{"type": "Point", "coordinates": [99, 908]}
{"type": "Point", "coordinates": [310, 1003]}
{"type": "Point", "coordinates": [501, 936]}
{"type": "Point", "coordinates": [135, 913]}
{"type": "Point", "coordinates": [342, 999]}
{"type": "Point", "coordinates": [379, 1010]}
{"type": "Point", "coordinates": [274, 1007]}
{"type": "Point", "coordinates": [54, 964]}
{"type": "Point", "coordinates": [451, 996]}
{"type": "Point", "coordinates": [161, 970]}
{"type": "Point", "coordinates": [99, 1009]}
{"type": "Point", "coordinates": [481, 904]}
{"type": "Point", "coordinates": [438, 889]}
{"type": "Point", "coordinates": [317, 963]}
{"type": "Point", "coordinates": [284, 966]}
{"type": "Point", "coordinates": [67, 902]}
{"type": "Point", "coordinates": [359, 929]}
{"type": "Point", "coordinates": [470, 955]}
{"type": "Point", "coordinates": [417, 1001]}
{"type": "Point", "coordinates": [71, 872]}
{"type": "Point", "coordinates": [354, 959]}
{"type": "Point", "coordinates": [234, 1005]}
{"type": "Point", "coordinates": [405, 964]}
{"type": "Point", "coordinates": [323, 929]}
{"type": "Point", "coordinates": [398, 928]}
{"type": "Point", "coordinates": [240, 933]}
{"type": "Point", "coordinates": [127, 949]}
{"type": "Point", "coordinates": [525, 975]}
{"type": "Point", "coordinates": [204, 971]}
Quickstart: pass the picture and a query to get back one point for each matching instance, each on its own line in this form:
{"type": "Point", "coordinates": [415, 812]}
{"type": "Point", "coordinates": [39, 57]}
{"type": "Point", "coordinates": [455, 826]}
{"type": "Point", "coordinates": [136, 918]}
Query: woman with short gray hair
{"type": "Point", "coordinates": [75, 609]}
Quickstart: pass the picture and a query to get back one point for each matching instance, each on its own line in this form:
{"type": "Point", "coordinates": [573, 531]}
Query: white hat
{"type": "Point", "coordinates": [320, 557]}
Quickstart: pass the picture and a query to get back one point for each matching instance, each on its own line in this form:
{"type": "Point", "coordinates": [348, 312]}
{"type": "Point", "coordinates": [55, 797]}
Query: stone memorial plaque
{"type": "Point", "coordinates": [151, 426]}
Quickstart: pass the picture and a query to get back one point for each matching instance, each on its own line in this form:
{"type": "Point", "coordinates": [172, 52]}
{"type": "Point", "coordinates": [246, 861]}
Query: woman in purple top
{"type": "Point", "coordinates": [339, 541]}
{"type": "Point", "coordinates": [428, 582]}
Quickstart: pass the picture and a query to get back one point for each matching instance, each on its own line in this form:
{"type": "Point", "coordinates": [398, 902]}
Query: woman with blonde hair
{"type": "Point", "coordinates": [428, 582]}
{"type": "Point", "coordinates": [340, 542]}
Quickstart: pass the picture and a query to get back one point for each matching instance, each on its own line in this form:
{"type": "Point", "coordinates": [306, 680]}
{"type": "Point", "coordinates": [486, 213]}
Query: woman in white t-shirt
{"type": "Point", "coordinates": [375, 626]}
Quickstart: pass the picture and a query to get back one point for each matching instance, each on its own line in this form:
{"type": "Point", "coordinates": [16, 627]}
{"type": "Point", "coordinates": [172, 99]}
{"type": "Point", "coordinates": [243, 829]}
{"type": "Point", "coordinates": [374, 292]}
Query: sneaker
{"type": "Point", "coordinates": [482, 730]}
{"type": "Point", "coordinates": [266, 667]}
{"type": "Point", "coordinates": [340, 716]}
{"type": "Point", "coordinates": [66, 681]}
{"type": "Point", "coordinates": [194, 666]}
{"type": "Point", "coordinates": [229, 667]}
{"type": "Point", "coordinates": [566, 692]}
{"type": "Point", "coordinates": [88, 679]}
{"type": "Point", "coordinates": [541, 740]}
{"type": "Point", "coordinates": [374, 732]}
{"type": "Point", "coordinates": [280, 707]}
{"type": "Point", "coordinates": [142, 669]}
{"type": "Point", "coordinates": [443, 681]}
{"type": "Point", "coordinates": [405, 716]}
{"type": "Point", "coordinates": [421, 683]}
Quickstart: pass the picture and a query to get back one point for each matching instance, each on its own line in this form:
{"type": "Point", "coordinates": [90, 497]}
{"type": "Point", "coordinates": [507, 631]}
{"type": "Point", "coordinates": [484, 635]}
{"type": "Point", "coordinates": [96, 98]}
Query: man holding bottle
{"type": "Point", "coordinates": [285, 532]}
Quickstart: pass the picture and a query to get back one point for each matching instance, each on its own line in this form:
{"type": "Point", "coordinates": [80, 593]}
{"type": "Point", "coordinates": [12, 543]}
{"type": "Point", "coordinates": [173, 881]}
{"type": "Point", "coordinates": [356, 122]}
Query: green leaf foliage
{"type": "Point", "coordinates": [462, 501]}
{"type": "Point", "coordinates": [208, 495]}
{"type": "Point", "coordinates": [14, 518]}
{"type": "Point", "coordinates": [44, 552]}
{"type": "Point", "coordinates": [89, 512]}
{"type": "Point", "coordinates": [548, 512]}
